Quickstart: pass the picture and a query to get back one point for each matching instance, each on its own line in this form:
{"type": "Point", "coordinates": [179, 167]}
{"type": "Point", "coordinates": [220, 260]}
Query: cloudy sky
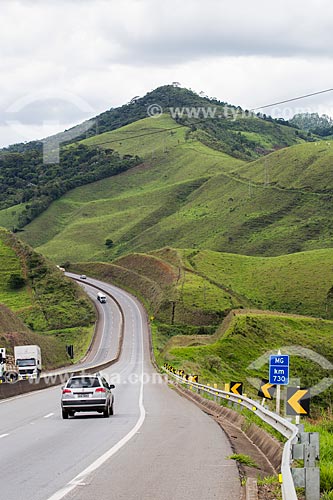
{"type": "Point", "coordinates": [63, 61]}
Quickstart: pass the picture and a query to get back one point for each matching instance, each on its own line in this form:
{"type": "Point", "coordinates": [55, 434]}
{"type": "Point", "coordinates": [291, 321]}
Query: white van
{"type": "Point", "coordinates": [101, 297]}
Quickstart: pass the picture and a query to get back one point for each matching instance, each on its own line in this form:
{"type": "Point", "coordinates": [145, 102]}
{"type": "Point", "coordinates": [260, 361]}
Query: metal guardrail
{"type": "Point", "coordinates": [286, 428]}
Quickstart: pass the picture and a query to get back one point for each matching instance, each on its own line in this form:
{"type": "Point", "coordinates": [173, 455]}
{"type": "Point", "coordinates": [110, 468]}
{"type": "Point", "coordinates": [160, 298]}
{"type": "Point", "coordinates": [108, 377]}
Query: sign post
{"type": "Point", "coordinates": [278, 374]}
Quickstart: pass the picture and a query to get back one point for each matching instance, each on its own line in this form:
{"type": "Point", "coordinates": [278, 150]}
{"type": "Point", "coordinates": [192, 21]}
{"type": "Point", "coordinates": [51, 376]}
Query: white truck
{"type": "Point", "coordinates": [29, 361]}
{"type": "Point", "coordinates": [9, 372]}
{"type": "Point", "coordinates": [101, 297]}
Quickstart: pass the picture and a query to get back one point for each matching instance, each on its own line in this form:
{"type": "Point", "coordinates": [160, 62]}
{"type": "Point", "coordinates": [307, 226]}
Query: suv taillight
{"type": "Point", "coordinates": [100, 389]}
{"type": "Point", "coordinates": [67, 391]}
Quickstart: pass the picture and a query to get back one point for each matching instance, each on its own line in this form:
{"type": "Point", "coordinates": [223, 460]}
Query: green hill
{"type": "Point", "coordinates": [218, 124]}
{"type": "Point", "coordinates": [125, 207]}
{"type": "Point", "coordinates": [190, 196]}
{"type": "Point", "coordinates": [43, 303]}
{"type": "Point", "coordinates": [299, 283]}
{"type": "Point", "coordinates": [305, 168]}
{"type": "Point", "coordinates": [30, 183]}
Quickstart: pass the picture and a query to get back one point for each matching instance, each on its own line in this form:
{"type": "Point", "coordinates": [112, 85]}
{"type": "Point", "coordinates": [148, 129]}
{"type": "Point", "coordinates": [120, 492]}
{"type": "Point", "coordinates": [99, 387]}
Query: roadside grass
{"type": "Point", "coordinates": [269, 488]}
{"type": "Point", "coordinates": [79, 337]}
{"type": "Point", "coordinates": [248, 337]}
{"type": "Point", "coordinates": [49, 309]}
{"type": "Point", "coordinates": [324, 426]}
{"type": "Point", "coordinates": [243, 459]}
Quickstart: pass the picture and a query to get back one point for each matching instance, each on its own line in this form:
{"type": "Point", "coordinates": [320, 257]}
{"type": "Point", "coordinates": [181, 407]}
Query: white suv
{"type": "Point", "coordinates": [87, 393]}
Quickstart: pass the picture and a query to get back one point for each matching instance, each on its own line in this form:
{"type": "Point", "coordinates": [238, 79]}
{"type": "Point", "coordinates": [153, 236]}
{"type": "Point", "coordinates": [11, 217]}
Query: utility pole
{"type": "Point", "coordinates": [250, 189]}
{"type": "Point", "coordinates": [266, 174]}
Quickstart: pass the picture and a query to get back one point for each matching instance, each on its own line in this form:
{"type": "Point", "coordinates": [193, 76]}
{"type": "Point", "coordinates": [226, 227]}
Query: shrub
{"type": "Point", "coordinates": [16, 282]}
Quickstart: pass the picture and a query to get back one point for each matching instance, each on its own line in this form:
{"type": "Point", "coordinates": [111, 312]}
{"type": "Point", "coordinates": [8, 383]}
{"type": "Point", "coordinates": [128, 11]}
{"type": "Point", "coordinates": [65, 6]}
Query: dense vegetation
{"type": "Point", "coordinates": [312, 122]}
{"type": "Point", "coordinates": [47, 303]}
{"type": "Point", "coordinates": [217, 124]}
{"type": "Point", "coordinates": [24, 178]}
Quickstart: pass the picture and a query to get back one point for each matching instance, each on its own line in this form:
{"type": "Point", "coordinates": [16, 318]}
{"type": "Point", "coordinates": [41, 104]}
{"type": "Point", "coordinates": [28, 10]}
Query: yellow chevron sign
{"type": "Point", "coordinates": [298, 401]}
{"type": "Point", "coordinates": [236, 388]}
{"type": "Point", "coordinates": [266, 390]}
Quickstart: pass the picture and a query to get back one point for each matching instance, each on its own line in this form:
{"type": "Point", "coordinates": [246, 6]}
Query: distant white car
{"type": "Point", "coordinates": [83, 277]}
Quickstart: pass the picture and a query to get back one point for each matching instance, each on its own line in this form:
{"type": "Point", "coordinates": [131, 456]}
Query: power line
{"type": "Point", "coordinates": [293, 99]}
{"type": "Point", "coordinates": [124, 139]}
{"type": "Point", "coordinates": [181, 126]}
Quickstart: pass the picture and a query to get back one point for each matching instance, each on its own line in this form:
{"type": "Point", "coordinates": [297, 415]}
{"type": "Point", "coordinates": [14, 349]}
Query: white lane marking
{"type": "Point", "coordinates": [48, 415]}
{"type": "Point", "coordinates": [3, 435]}
{"type": "Point", "coordinates": [81, 477]}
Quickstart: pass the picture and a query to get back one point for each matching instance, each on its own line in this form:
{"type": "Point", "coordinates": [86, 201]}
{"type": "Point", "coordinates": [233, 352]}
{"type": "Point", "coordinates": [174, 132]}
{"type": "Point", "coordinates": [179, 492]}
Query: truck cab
{"type": "Point", "coordinates": [28, 360]}
{"type": "Point", "coordinates": [101, 297]}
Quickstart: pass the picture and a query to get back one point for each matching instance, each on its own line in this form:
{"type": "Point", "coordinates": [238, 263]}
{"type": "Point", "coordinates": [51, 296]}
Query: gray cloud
{"type": "Point", "coordinates": [103, 52]}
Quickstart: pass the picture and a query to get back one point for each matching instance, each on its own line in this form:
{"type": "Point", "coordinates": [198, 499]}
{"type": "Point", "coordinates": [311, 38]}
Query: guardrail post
{"type": "Point", "coordinates": [308, 477]}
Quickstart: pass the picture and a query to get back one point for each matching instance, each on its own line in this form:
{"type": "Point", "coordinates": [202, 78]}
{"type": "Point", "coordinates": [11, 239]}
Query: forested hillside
{"type": "Point", "coordinates": [25, 179]}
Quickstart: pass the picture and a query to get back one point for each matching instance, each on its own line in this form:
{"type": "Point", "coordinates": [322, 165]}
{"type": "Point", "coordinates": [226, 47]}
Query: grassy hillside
{"type": "Point", "coordinates": [124, 207]}
{"type": "Point", "coordinates": [10, 264]}
{"type": "Point", "coordinates": [298, 283]}
{"type": "Point", "coordinates": [9, 217]}
{"type": "Point", "coordinates": [187, 195]}
{"type": "Point", "coordinates": [10, 322]}
{"type": "Point", "coordinates": [306, 167]}
{"type": "Point", "coordinates": [200, 287]}
{"type": "Point", "coordinates": [53, 309]}
{"type": "Point", "coordinates": [247, 337]}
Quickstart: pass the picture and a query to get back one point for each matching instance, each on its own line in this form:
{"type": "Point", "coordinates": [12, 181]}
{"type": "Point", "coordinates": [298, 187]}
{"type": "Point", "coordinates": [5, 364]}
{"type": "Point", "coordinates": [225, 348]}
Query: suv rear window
{"type": "Point", "coordinates": [83, 382]}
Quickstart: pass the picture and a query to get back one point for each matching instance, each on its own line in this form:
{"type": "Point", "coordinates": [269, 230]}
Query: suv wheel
{"type": "Point", "coordinates": [111, 409]}
{"type": "Point", "coordinates": [64, 414]}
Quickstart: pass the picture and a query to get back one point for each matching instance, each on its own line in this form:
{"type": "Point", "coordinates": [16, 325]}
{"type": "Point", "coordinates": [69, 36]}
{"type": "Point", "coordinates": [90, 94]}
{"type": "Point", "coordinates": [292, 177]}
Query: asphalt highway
{"type": "Point", "coordinates": [157, 445]}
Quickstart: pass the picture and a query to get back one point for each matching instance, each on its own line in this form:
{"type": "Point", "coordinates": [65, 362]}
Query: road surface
{"type": "Point", "coordinates": [157, 446]}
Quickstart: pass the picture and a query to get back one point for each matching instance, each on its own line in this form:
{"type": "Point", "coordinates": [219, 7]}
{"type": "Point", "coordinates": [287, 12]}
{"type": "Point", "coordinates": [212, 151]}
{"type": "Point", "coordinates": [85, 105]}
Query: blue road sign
{"type": "Point", "coordinates": [279, 369]}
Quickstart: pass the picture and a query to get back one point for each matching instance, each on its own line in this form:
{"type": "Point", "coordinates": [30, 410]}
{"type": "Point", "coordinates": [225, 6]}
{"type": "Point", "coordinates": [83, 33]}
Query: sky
{"type": "Point", "coordinates": [64, 61]}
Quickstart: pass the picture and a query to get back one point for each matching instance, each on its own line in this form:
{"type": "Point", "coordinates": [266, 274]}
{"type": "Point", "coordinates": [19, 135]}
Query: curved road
{"type": "Point", "coordinates": [157, 446]}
